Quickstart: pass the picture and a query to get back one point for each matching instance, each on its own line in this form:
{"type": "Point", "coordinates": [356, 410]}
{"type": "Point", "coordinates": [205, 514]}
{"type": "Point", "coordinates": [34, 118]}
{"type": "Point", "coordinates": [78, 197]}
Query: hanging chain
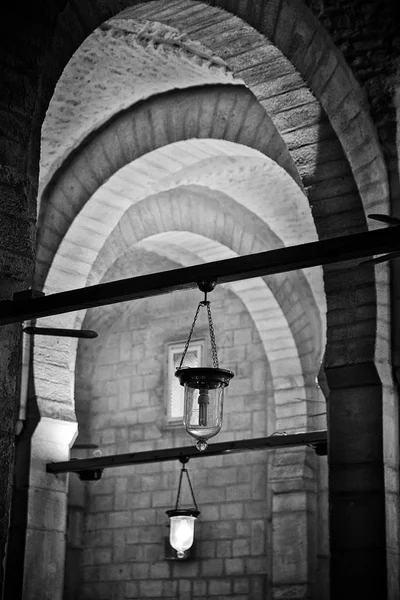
{"type": "Point", "coordinates": [206, 303]}
{"type": "Point", "coordinates": [190, 334]}
{"type": "Point", "coordinates": [212, 337]}
{"type": "Point", "coordinates": [191, 490]}
{"type": "Point", "coordinates": [184, 470]}
{"type": "Point", "coordinates": [179, 488]}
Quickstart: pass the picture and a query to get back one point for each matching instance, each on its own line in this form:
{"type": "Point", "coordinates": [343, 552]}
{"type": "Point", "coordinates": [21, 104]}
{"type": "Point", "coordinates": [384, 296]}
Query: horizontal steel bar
{"type": "Point", "coordinates": [281, 260]}
{"type": "Point", "coordinates": [58, 332]}
{"type": "Point", "coordinates": [314, 438]}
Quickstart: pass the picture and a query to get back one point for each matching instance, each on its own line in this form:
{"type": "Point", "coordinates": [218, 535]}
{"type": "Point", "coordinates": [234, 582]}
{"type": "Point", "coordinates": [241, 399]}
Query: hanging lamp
{"type": "Point", "coordinates": [204, 386]}
{"type": "Point", "coordinates": [181, 533]}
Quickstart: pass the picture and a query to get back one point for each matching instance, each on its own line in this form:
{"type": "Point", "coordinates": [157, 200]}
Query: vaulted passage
{"type": "Point", "coordinates": [178, 133]}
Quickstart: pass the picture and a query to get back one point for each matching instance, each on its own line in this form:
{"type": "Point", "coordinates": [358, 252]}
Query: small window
{"type": "Point", "coordinates": [175, 392]}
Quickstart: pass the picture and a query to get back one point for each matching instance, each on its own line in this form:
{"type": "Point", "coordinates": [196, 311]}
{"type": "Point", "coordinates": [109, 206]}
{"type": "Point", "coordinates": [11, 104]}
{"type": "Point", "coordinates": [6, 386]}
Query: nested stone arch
{"type": "Point", "coordinates": [169, 212]}
{"type": "Point", "coordinates": [240, 172]}
{"type": "Point", "coordinates": [229, 112]}
{"type": "Point", "coordinates": [293, 29]}
{"type": "Point", "coordinates": [95, 86]}
{"type": "Point", "coordinates": [217, 217]}
{"type": "Point", "coordinates": [294, 392]}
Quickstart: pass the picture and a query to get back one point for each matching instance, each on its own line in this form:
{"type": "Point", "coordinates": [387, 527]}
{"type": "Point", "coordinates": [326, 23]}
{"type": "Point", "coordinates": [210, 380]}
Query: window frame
{"type": "Point", "coordinates": [173, 348]}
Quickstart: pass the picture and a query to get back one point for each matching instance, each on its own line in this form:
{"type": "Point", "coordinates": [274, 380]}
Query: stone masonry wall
{"type": "Point", "coordinates": [125, 523]}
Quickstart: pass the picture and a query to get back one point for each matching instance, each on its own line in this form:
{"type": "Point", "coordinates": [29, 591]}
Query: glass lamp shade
{"type": "Point", "coordinates": [204, 399]}
{"type": "Point", "coordinates": [181, 534]}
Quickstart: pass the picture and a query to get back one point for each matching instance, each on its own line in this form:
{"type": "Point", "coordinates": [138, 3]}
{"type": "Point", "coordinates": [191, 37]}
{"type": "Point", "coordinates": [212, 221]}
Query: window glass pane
{"type": "Point", "coordinates": [175, 395]}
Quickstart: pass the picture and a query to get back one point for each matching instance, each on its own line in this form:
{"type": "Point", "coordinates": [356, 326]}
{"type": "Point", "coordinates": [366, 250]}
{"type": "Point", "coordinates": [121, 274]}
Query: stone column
{"type": "Point", "coordinates": [356, 483]}
{"type": "Point", "coordinates": [47, 511]}
{"type": "Point", "coordinates": [294, 523]}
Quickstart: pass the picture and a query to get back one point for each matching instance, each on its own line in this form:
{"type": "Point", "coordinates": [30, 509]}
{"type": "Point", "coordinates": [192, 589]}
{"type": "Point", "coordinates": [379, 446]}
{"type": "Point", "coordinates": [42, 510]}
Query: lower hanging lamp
{"type": "Point", "coordinates": [204, 386]}
{"type": "Point", "coordinates": [181, 534]}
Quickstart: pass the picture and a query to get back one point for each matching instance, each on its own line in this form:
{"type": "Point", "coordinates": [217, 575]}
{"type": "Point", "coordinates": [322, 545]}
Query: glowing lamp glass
{"type": "Point", "coordinates": [203, 401]}
{"type": "Point", "coordinates": [181, 533]}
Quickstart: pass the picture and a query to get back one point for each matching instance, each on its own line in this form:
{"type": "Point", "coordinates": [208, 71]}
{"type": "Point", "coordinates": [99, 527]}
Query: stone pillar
{"type": "Point", "coordinates": [47, 511]}
{"type": "Point", "coordinates": [356, 483]}
{"type": "Point", "coordinates": [10, 348]}
{"type": "Point", "coordinates": [75, 536]}
{"type": "Point", "coordinates": [294, 524]}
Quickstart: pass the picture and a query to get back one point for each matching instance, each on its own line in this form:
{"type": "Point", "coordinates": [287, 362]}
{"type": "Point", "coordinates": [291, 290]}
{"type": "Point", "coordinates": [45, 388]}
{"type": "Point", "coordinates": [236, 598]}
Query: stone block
{"type": "Point", "coordinates": [160, 570]}
{"type": "Point", "coordinates": [125, 346]}
{"type": "Point", "coordinates": [221, 476]}
{"type": "Point", "coordinates": [224, 548]}
{"type": "Point", "coordinates": [238, 492]}
{"type": "Point", "coordinates": [142, 516]}
{"type": "Point", "coordinates": [258, 537]}
{"type": "Point", "coordinates": [240, 386]}
{"type": "Point", "coordinates": [152, 432]}
{"type": "Point", "coordinates": [132, 589]}
{"type": "Point", "coordinates": [119, 545]}
{"type": "Point", "coordinates": [98, 537]}
{"type": "Point", "coordinates": [239, 422]}
{"type": "Point", "coordinates": [120, 519]}
{"type": "Point", "coordinates": [241, 585]}
{"type": "Point", "coordinates": [213, 495]}
{"type": "Point", "coordinates": [170, 588]}
{"type": "Point", "coordinates": [148, 415]}
{"type": "Point", "coordinates": [242, 337]}
{"type": "Point", "coordinates": [290, 557]}
{"type": "Point", "coordinates": [240, 547]}
{"type": "Point", "coordinates": [135, 552]}
{"type": "Point", "coordinates": [254, 510]}
{"type": "Point", "coordinates": [258, 482]}
{"type": "Point", "coordinates": [211, 512]}
{"type": "Point", "coordinates": [101, 503]}
{"type": "Point", "coordinates": [213, 566]}
{"type": "Point", "coordinates": [188, 569]}
{"type": "Point", "coordinates": [199, 588]}
{"type": "Point", "coordinates": [107, 436]}
{"type": "Point", "coordinates": [123, 370]}
{"type": "Point", "coordinates": [232, 510]}
{"type": "Point", "coordinates": [163, 499]}
{"type": "Point", "coordinates": [217, 587]}
{"type": "Point", "coordinates": [185, 586]}
{"type": "Point", "coordinates": [47, 509]}
{"type": "Point", "coordinates": [140, 570]}
{"type": "Point", "coordinates": [234, 566]}
{"type": "Point", "coordinates": [150, 589]}
{"type": "Point", "coordinates": [256, 565]}
{"type": "Point", "coordinates": [102, 556]}
{"type": "Point", "coordinates": [206, 548]}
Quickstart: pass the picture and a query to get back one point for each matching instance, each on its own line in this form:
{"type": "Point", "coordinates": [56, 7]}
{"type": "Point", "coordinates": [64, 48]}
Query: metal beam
{"type": "Point", "coordinates": [58, 332]}
{"type": "Point", "coordinates": [316, 439]}
{"type": "Point", "coordinates": [27, 306]}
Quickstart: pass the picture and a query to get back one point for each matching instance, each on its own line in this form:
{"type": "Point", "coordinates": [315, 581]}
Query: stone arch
{"type": "Point", "coordinates": [227, 112]}
{"type": "Point", "coordinates": [293, 28]}
{"type": "Point", "coordinates": [263, 14]}
{"type": "Point", "coordinates": [296, 32]}
{"type": "Point", "coordinates": [173, 211]}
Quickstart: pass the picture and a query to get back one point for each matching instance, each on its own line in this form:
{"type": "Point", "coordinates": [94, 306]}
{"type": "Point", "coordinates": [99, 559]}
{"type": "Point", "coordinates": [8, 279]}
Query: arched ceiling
{"type": "Point", "coordinates": [190, 144]}
{"type": "Point", "coordinates": [119, 65]}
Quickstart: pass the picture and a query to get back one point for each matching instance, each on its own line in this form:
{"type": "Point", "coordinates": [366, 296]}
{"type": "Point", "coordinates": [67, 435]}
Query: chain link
{"type": "Point", "coordinates": [212, 338]}
{"type": "Point", "coordinates": [205, 303]}
{"type": "Point", "coordinates": [190, 335]}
